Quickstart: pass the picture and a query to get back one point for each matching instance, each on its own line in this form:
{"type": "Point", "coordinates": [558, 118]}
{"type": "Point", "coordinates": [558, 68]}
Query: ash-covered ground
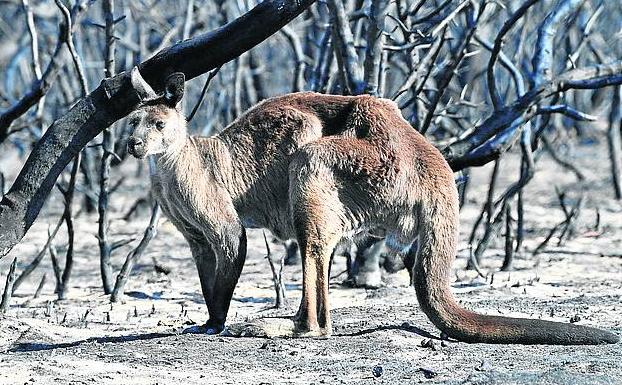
{"type": "Point", "coordinates": [380, 336]}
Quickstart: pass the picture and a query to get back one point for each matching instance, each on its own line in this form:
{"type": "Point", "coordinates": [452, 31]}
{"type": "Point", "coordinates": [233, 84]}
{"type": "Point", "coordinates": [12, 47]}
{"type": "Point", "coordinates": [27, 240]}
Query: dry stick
{"type": "Point", "coordinates": [548, 146]}
{"type": "Point", "coordinates": [415, 7]}
{"type": "Point", "coordinates": [35, 262]}
{"type": "Point", "coordinates": [463, 187]}
{"type": "Point", "coordinates": [520, 214]}
{"type": "Point", "coordinates": [347, 58]}
{"type": "Point", "coordinates": [277, 277]}
{"type": "Point", "coordinates": [527, 169]}
{"type": "Point", "coordinates": [570, 221]}
{"type": "Point", "coordinates": [320, 73]}
{"type": "Point", "coordinates": [299, 57]}
{"type": "Point", "coordinates": [417, 80]}
{"type": "Point", "coordinates": [543, 58]}
{"type": "Point", "coordinates": [34, 44]}
{"type": "Point", "coordinates": [572, 58]}
{"type": "Point", "coordinates": [72, 49]}
{"type": "Point", "coordinates": [543, 85]}
{"type": "Point", "coordinates": [526, 174]}
{"type": "Point", "coordinates": [87, 169]}
{"type": "Point", "coordinates": [546, 240]}
{"type": "Point", "coordinates": [432, 13]}
{"type": "Point", "coordinates": [210, 76]}
{"type": "Point", "coordinates": [8, 288]}
{"type": "Point", "coordinates": [135, 254]}
{"type": "Point", "coordinates": [185, 34]}
{"type": "Point", "coordinates": [37, 292]}
{"type": "Point", "coordinates": [491, 230]}
{"type": "Point", "coordinates": [487, 208]}
{"type": "Point", "coordinates": [256, 71]}
{"type": "Point", "coordinates": [384, 72]}
{"type": "Point", "coordinates": [509, 242]}
{"type": "Point", "coordinates": [448, 72]}
{"type": "Point", "coordinates": [496, 52]}
{"type": "Point", "coordinates": [375, 43]}
{"type": "Point", "coordinates": [34, 51]}
{"type": "Point", "coordinates": [569, 217]}
{"type": "Point", "coordinates": [108, 150]}
{"type": "Point", "coordinates": [56, 268]}
{"type": "Point", "coordinates": [68, 215]}
{"type": "Point", "coordinates": [134, 208]}
{"type": "Point", "coordinates": [251, 77]}
{"type": "Point", "coordinates": [614, 142]}
{"type": "Point", "coordinates": [188, 20]}
{"type": "Point", "coordinates": [40, 287]}
{"type": "Point", "coordinates": [473, 262]}
{"type": "Point", "coordinates": [69, 192]}
{"type": "Point", "coordinates": [240, 69]}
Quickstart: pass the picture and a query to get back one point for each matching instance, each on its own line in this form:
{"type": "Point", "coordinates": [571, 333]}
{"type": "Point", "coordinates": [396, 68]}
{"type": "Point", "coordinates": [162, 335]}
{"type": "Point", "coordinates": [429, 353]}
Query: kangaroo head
{"type": "Point", "coordinates": [158, 127]}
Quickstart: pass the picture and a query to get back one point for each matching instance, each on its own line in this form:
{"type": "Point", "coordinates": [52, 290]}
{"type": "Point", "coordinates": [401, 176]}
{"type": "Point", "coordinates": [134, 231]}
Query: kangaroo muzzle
{"type": "Point", "coordinates": [136, 147]}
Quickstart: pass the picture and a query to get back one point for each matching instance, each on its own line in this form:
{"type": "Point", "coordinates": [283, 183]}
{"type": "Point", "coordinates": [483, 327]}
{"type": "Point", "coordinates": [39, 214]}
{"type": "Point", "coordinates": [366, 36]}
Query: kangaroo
{"type": "Point", "coordinates": [319, 169]}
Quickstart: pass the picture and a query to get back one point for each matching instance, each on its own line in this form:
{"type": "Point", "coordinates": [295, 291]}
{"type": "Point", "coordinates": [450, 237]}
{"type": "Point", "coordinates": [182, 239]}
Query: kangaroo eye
{"type": "Point", "coordinates": [159, 125]}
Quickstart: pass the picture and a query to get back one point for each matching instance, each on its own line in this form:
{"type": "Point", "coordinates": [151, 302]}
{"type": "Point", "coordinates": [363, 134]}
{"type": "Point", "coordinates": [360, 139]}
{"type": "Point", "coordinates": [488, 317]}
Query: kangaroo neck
{"type": "Point", "coordinates": [180, 164]}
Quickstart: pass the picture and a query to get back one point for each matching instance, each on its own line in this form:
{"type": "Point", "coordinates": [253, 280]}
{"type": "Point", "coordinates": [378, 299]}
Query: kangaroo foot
{"type": "Point", "coordinates": [210, 327]}
{"type": "Point", "coordinates": [273, 327]}
{"type": "Point", "coordinates": [305, 328]}
{"type": "Point", "coordinates": [262, 327]}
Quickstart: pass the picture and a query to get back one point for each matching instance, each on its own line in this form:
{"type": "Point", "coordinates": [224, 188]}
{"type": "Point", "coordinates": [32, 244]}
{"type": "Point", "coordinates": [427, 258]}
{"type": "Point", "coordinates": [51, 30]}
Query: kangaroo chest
{"type": "Point", "coordinates": [176, 208]}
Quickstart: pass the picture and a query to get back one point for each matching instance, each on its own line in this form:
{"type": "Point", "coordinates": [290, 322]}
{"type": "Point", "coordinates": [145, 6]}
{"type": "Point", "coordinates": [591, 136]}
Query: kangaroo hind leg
{"type": "Point", "coordinates": [320, 223]}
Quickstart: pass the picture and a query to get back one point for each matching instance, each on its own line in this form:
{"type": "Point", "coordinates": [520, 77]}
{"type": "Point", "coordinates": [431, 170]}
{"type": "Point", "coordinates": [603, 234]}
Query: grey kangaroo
{"type": "Point", "coordinates": [319, 169]}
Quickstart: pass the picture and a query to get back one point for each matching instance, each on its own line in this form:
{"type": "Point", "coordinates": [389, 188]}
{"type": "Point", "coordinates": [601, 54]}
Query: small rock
{"type": "Point", "coordinates": [575, 318]}
{"type": "Point", "coordinates": [484, 366]}
{"type": "Point", "coordinates": [377, 371]}
{"type": "Point", "coordinates": [428, 373]}
{"type": "Point", "coordinates": [431, 344]}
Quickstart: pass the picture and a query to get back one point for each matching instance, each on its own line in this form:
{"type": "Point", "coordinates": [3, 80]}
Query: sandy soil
{"type": "Point", "coordinates": [85, 339]}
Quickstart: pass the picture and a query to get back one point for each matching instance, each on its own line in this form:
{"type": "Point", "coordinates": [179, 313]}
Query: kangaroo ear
{"type": "Point", "coordinates": [143, 89]}
{"type": "Point", "coordinates": [174, 88]}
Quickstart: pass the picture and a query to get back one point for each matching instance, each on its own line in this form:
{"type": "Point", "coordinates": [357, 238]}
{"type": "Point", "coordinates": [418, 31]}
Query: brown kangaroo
{"type": "Point", "coordinates": [320, 169]}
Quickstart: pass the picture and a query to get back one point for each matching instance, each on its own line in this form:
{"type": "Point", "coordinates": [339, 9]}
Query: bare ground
{"type": "Point", "coordinates": [85, 339]}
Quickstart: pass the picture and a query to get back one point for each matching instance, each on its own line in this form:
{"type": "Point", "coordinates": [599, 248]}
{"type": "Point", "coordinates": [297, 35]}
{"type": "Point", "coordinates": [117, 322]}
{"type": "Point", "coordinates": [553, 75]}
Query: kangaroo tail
{"type": "Point", "coordinates": [438, 235]}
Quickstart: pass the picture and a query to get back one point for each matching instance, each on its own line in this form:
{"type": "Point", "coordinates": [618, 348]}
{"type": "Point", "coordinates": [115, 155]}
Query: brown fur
{"type": "Point", "coordinates": [320, 169]}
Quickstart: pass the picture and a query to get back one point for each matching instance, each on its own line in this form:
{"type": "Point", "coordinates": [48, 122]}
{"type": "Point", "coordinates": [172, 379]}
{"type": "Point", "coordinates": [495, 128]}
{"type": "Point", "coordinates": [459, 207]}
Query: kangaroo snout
{"type": "Point", "coordinates": [136, 147]}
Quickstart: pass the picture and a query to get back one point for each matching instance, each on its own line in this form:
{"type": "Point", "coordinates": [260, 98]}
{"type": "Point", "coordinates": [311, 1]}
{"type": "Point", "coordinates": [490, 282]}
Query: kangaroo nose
{"type": "Point", "coordinates": [135, 145]}
{"type": "Point", "coordinates": [134, 142]}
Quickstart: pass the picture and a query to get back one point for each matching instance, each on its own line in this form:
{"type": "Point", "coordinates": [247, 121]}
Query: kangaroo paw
{"type": "Point", "coordinates": [272, 327]}
{"type": "Point", "coordinates": [208, 328]}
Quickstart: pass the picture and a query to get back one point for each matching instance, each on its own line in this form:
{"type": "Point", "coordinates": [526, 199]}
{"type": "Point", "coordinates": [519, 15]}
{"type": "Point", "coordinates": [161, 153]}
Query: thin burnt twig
{"type": "Point", "coordinates": [35, 262]}
{"type": "Point", "coordinates": [277, 276]}
{"type": "Point", "coordinates": [8, 288]}
{"type": "Point", "coordinates": [108, 150]}
{"type": "Point", "coordinates": [135, 254]}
